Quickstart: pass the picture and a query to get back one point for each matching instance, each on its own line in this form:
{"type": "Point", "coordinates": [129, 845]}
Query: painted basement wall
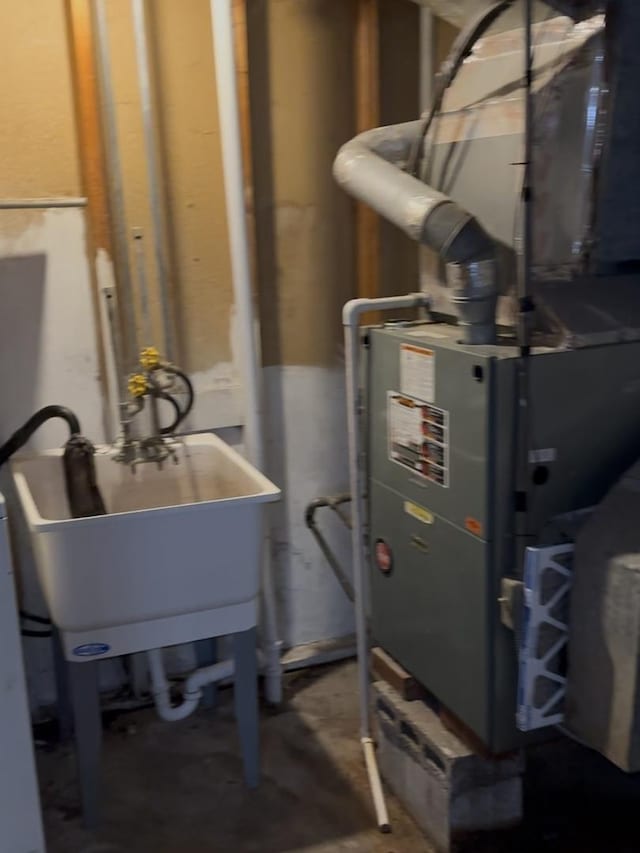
{"type": "Point", "coordinates": [45, 273]}
{"type": "Point", "coordinates": [188, 137]}
{"type": "Point", "coordinates": [301, 72]}
{"type": "Point", "coordinates": [301, 60]}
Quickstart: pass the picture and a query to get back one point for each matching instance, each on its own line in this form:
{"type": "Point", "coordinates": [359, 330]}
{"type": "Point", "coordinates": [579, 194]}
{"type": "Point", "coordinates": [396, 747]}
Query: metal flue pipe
{"type": "Point", "coordinates": [370, 168]}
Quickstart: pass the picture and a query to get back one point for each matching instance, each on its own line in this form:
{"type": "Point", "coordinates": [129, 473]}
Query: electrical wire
{"type": "Point", "coordinates": [462, 47]}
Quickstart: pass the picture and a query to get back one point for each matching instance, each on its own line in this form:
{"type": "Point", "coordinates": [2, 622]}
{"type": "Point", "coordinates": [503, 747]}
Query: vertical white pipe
{"type": "Point", "coordinates": [231, 141]}
{"type": "Point", "coordinates": [351, 314]}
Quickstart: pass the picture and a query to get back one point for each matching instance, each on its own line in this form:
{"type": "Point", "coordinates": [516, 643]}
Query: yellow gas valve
{"type": "Point", "coordinates": [137, 385]}
{"type": "Point", "coordinates": [150, 358]}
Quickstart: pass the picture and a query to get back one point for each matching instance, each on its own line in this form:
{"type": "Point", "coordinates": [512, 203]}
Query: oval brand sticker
{"type": "Point", "coordinates": [89, 650]}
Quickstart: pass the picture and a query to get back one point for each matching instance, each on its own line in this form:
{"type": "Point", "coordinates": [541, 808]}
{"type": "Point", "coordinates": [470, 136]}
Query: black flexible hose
{"type": "Point", "coordinates": [21, 436]}
{"type": "Point", "coordinates": [161, 394]}
{"type": "Point", "coordinates": [190, 392]}
{"type": "Point", "coordinates": [172, 427]}
{"type": "Point", "coordinates": [31, 617]}
{"type": "Point", "coordinates": [462, 46]}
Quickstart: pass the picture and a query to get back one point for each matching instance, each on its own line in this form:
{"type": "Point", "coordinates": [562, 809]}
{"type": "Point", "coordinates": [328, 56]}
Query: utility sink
{"type": "Point", "coordinates": [177, 557]}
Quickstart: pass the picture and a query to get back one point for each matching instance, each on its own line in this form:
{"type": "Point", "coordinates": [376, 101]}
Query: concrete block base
{"type": "Point", "coordinates": [448, 789]}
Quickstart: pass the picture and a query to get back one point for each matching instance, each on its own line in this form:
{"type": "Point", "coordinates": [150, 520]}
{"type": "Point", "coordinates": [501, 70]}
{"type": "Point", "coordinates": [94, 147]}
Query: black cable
{"type": "Point", "coordinates": [21, 436]}
{"type": "Point", "coordinates": [462, 47]}
{"type": "Point", "coordinates": [42, 634]}
{"type": "Point", "coordinates": [31, 617]}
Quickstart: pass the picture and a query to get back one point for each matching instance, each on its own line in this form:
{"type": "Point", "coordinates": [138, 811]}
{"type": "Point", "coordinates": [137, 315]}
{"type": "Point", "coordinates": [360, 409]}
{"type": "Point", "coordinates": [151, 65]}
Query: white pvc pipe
{"type": "Point", "coordinates": [44, 203]}
{"type": "Point", "coordinates": [231, 142]}
{"type": "Point", "coordinates": [192, 692]}
{"type": "Point", "coordinates": [375, 784]}
{"type": "Point", "coordinates": [351, 314]}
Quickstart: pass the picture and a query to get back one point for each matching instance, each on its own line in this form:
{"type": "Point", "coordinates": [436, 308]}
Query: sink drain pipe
{"type": "Point", "coordinates": [192, 693]}
{"type": "Point", "coordinates": [351, 314]}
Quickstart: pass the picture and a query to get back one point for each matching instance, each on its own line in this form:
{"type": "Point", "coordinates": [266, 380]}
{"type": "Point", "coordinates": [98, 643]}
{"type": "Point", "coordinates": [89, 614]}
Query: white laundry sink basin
{"type": "Point", "coordinates": [177, 557]}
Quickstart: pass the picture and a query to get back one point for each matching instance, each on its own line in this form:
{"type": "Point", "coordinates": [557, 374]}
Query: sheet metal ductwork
{"type": "Point", "coordinates": [370, 168]}
{"type": "Point", "coordinates": [457, 12]}
{"type": "Point", "coordinates": [585, 171]}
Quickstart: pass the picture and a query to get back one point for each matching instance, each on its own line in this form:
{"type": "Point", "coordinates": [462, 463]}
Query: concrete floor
{"type": "Point", "coordinates": [175, 788]}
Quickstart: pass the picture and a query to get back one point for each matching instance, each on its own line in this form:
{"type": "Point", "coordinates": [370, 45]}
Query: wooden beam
{"type": "Point", "coordinates": [93, 175]}
{"type": "Point", "coordinates": [241, 48]}
{"type": "Point", "coordinates": [387, 669]}
{"type": "Point", "coordinates": [89, 128]}
{"type": "Point", "coordinates": [367, 80]}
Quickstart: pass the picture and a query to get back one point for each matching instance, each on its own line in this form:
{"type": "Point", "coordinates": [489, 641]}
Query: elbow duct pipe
{"type": "Point", "coordinates": [370, 168]}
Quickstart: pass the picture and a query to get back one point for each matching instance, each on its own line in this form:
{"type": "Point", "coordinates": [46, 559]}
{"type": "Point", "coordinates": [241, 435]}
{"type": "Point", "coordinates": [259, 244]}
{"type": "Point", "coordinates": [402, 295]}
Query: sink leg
{"type": "Point", "coordinates": [63, 700]}
{"type": "Point", "coordinates": [246, 703]}
{"type": "Point", "coordinates": [85, 697]}
{"type": "Point", "coordinates": [206, 654]}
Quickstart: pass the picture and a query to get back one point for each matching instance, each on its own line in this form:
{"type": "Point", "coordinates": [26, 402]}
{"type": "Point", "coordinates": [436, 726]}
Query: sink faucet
{"type": "Point", "coordinates": [155, 380]}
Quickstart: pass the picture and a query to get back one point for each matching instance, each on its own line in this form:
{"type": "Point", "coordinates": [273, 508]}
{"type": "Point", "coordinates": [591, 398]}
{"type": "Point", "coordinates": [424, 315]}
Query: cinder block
{"type": "Point", "coordinates": [448, 789]}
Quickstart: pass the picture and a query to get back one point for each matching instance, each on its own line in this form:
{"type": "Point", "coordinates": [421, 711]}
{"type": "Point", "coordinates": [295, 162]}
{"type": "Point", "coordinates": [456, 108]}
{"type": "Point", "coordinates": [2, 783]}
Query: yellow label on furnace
{"type": "Point", "coordinates": [419, 512]}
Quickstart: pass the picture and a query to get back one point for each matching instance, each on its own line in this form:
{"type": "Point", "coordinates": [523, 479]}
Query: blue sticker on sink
{"type": "Point", "coordinates": [89, 650]}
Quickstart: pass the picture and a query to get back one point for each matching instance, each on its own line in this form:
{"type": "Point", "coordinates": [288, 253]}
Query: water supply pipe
{"type": "Point", "coordinates": [115, 186]}
{"type": "Point", "coordinates": [351, 315]}
{"type": "Point", "coordinates": [370, 167]}
{"type": "Point", "coordinates": [153, 176]}
{"type": "Point", "coordinates": [231, 141]}
{"type": "Point", "coordinates": [193, 686]}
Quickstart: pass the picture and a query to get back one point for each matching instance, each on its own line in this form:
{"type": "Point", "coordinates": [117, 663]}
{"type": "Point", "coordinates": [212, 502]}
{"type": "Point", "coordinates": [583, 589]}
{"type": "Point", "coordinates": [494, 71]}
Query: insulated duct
{"type": "Point", "coordinates": [370, 168]}
{"type": "Point", "coordinates": [458, 12]}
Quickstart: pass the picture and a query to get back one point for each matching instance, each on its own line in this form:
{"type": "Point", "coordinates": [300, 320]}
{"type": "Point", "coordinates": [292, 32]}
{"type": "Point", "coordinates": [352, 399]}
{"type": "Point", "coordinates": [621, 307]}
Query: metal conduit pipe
{"type": "Point", "coordinates": [370, 168]}
{"type": "Point", "coordinates": [156, 197]}
{"type": "Point", "coordinates": [333, 503]}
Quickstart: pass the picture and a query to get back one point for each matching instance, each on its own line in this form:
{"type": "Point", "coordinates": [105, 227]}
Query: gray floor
{"type": "Point", "coordinates": [175, 787]}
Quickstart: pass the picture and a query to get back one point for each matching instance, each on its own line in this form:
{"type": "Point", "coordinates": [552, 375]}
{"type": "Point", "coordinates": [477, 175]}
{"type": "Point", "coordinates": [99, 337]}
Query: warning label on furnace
{"type": "Point", "coordinates": [418, 436]}
{"type": "Point", "coordinates": [418, 372]}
